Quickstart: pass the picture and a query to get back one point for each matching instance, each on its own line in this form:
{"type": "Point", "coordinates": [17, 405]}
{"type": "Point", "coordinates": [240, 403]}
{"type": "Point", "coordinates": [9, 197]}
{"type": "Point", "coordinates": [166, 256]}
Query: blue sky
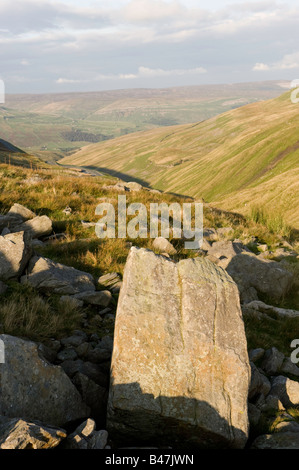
{"type": "Point", "coordinates": [71, 45]}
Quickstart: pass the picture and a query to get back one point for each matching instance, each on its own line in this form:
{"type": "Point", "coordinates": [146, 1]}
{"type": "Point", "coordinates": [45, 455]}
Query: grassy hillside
{"type": "Point", "coordinates": [242, 158]}
{"type": "Point", "coordinates": [53, 125]}
{"type": "Point", "coordinates": [14, 156]}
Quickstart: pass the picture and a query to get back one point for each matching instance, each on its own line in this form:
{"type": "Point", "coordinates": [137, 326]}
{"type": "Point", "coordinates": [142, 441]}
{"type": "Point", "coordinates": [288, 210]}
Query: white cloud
{"type": "Point", "coordinates": [260, 67]}
{"type": "Point", "coordinates": [143, 72]}
{"type": "Point", "coordinates": [288, 62]}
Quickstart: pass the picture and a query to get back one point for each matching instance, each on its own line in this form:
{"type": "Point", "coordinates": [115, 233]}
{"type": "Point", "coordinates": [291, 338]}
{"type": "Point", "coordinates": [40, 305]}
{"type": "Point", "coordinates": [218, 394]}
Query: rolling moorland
{"type": "Point", "coordinates": [54, 125]}
{"type": "Point", "coordinates": [241, 160]}
{"type": "Point", "coordinates": [137, 341]}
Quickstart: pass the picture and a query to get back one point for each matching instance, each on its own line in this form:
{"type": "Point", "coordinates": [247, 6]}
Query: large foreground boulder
{"type": "Point", "coordinates": [48, 276]}
{"type": "Point", "coordinates": [33, 389]}
{"type": "Point", "coordinates": [15, 252]}
{"type": "Point", "coordinates": [180, 370]}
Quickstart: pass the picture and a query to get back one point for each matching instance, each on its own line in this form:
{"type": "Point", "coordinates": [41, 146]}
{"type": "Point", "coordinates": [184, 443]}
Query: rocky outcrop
{"type": "Point", "coordinates": [252, 274]}
{"type": "Point", "coordinates": [34, 389]}
{"type": "Point", "coordinates": [180, 366]}
{"type": "Point", "coordinates": [37, 227]}
{"type": "Point", "coordinates": [15, 252]}
{"type": "Point", "coordinates": [19, 434]}
{"type": "Point", "coordinates": [48, 276]}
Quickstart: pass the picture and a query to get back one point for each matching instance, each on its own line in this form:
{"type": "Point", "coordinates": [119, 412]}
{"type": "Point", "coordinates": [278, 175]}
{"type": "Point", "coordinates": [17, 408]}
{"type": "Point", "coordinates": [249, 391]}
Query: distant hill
{"type": "Point", "coordinates": [245, 157]}
{"type": "Point", "coordinates": [53, 125]}
{"type": "Point", "coordinates": [15, 156]}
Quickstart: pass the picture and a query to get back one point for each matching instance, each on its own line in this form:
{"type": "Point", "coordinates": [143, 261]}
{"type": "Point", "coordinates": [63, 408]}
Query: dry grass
{"type": "Point", "coordinates": [27, 314]}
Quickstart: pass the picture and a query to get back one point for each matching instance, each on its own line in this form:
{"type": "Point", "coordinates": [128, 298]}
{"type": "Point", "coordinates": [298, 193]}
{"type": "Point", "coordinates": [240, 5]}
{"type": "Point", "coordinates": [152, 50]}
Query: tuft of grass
{"type": "Point", "coordinates": [274, 222]}
{"type": "Point", "coordinates": [31, 316]}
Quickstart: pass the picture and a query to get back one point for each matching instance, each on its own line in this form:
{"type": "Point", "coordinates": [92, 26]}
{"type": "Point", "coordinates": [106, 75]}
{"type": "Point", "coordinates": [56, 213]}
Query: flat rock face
{"type": "Point", "coordinates": [48, 276]}
{"type": "Point", "coordinates": [180, 370]}
{"type": "Point", "coordinates": [15, 252]}
{"type": "Point", "coordinates": [33, 389]}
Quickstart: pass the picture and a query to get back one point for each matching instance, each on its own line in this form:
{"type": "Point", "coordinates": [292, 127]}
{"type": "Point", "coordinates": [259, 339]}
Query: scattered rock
{"type": "Point", "coordinates": [48, 276]}
{"type": "Point", "coordinates": [163, 245]}
{"type": "Point", "coordinates": [37, 227]}
{"type": "Point", "coordinates": [179, 334]}
{"type": "Point", "coordinates": [256, 354]}
{"type": "Point", "coordinates": [272, 361]}
{"type": "Point", "coordinates": [280, 440]}
{"type": "Point", "coordinates": [34, 389]}
{"type": "Point", "coordinates": [23, 212]}
{"type": "Point", "coordinates": [99, 298]}
{"type": "Point", "coordinates": [269, 309]}
{"type": "Point", "coordinates": [15, 252]}
{"type": "Point", "coordinates": [20, 434]}
{"type": "Point", "coordinates": [288, 367]}
{"type": "Point", "coordinates": [286, 390]}
{"type": "Point", "coordinates": [86, 437]}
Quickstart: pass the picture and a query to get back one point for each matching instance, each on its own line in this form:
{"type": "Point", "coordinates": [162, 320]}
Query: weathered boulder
{"type": "Point", "coordinates": [286, 390]}
{"type": "Point", "coordinates": [265, 276]}
{"type": "Point", "coordinates": [22, 211]}
{"type": "Point", "coordinates": [272, 361]}
{"type": "Point", "coordinates": [34, 389]}
{"type": "Point", "coordinates": [15, 252]}
{"type": "Point", "coordinates": [180, 368]}
{"type": "Point", "coordinates": [164, 246]}
{"type": "Point", "coordinates": [259, 383]}
{"type": "Point", "coordinates": [86, 437]}
{"type": "Point", "coordinates": [251, 273]}
{"type": "Point", "coordinates": [100, 298]}
{"type": "Point", "coordinates": [261, 307]}
{"type": "Point", "coordinates": [38, 226]}
{"type": "Point", "coordinates": [19, 434]}
{"type": "Point", "coordinates": [280, 440]}
{"type": "Point", "coordinates": [48, 276]}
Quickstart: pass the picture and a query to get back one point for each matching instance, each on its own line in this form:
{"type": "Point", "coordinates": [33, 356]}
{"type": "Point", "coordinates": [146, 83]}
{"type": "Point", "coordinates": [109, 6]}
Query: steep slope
{"type": "Point", "coordinates": [15, 156]}
{"type": "Point", "coordinates": [253, 149]}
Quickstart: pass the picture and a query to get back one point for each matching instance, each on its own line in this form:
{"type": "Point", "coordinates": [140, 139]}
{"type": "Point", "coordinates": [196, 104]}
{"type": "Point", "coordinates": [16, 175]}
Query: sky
{"type": "Point", "coordinates": [74, 45]}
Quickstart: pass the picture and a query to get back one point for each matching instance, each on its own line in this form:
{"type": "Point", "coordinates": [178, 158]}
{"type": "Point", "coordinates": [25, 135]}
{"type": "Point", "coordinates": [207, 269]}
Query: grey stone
{"type": "Point", "coordinates": [272, 361]}
{"type": "Point", "coordinates": [286, 390]}
{"type": "Point", "coordinates": [256, 354]}
{"type": "Point", "coordinates": [161, 245]}
{"type": "Point", "coordinates": [22, 211]}
{"type": "Point", "coordinates": [15, 252]}
{"type": "Point", "coordinates": [259, 383]}
{"type": "Point", "coordinates": [180, 361]}
{"type": "Point", "coordinates": [288, 367]}
{"type": "Point", "coordinates": [254, 414]}
{"type": "Point", "coordinates": [34, 389]}
{"type": "Point", "coordinates": [99, 298]}
{"type": "Point", "coordinates": [280, 440]}
{"type": "Point", "coordinates": [48, 276]}
{"type": "Point", "coordinates": [37, 227]}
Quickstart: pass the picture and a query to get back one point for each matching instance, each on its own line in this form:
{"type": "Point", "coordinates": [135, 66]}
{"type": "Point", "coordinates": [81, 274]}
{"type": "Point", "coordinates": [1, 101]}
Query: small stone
{"type": "Point", "coordinates": [67, 355]}
{"type": "Point", "coordinates": [256, 354]}
{"type": "Point", "coordinates": [272, 362]}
